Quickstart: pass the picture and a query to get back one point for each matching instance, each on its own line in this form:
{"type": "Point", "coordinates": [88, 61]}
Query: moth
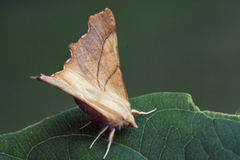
{"type": "Point", "coordinates": [94, 78]}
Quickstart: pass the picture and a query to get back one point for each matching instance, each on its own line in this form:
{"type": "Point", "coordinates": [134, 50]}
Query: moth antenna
{"type": "Point", "coordinates": [110, 139]}
{"type": "Point", "coordinates": [101, 132]}
{"type": "Point", "coordinates": [144, 113]}
{"type": "Point", "coordinates": [85, 125]}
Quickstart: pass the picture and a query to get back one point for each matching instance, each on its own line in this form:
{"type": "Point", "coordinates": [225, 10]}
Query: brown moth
{"type": "Point", "coordinates": [93, 77]}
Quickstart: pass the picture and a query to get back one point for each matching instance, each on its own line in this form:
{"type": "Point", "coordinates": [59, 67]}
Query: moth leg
{"type": "Point", "coordinates": [85, 125]}
{"type": "Point", "coordinates": [144, 113]}
{"type": "Point", "coordinates": [110, 139]}
{"type": "Point", "coordinates": [101, 132]}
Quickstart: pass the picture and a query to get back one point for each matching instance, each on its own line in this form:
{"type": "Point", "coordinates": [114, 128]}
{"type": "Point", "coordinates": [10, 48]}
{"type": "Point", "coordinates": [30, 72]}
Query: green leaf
{"type": "Point", "coordinates": [177, 130]}
{"type": "Point", "coordinates": [238, 111]}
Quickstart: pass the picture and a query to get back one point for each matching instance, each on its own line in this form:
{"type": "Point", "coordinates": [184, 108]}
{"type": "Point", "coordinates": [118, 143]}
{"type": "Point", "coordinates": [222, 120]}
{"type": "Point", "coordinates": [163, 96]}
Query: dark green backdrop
{"type": "Point", "coordinates": [190, 46]}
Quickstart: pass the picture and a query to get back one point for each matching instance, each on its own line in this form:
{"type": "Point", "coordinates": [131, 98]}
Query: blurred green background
{"type": "Point", "coordinates": [173, 46]}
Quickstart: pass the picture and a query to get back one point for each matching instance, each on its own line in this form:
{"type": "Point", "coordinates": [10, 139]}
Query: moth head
{"type": "Point", "coordinates": [130, 121]}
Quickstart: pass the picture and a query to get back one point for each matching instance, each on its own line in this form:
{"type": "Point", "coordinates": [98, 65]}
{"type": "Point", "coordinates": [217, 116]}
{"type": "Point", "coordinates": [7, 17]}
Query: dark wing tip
{"type": "Point", "coordinates": [37, 77]}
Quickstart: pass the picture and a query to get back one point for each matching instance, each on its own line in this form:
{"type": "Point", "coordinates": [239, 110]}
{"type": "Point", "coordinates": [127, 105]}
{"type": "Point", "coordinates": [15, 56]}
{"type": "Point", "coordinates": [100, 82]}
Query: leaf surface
{"type": "Point", "coordinates": [177, 130]}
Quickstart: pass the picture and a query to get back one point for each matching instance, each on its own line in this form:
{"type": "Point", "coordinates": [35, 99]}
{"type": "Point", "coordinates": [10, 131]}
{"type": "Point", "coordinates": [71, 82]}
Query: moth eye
{"type": "Point", "coordinates": [126, 123]}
